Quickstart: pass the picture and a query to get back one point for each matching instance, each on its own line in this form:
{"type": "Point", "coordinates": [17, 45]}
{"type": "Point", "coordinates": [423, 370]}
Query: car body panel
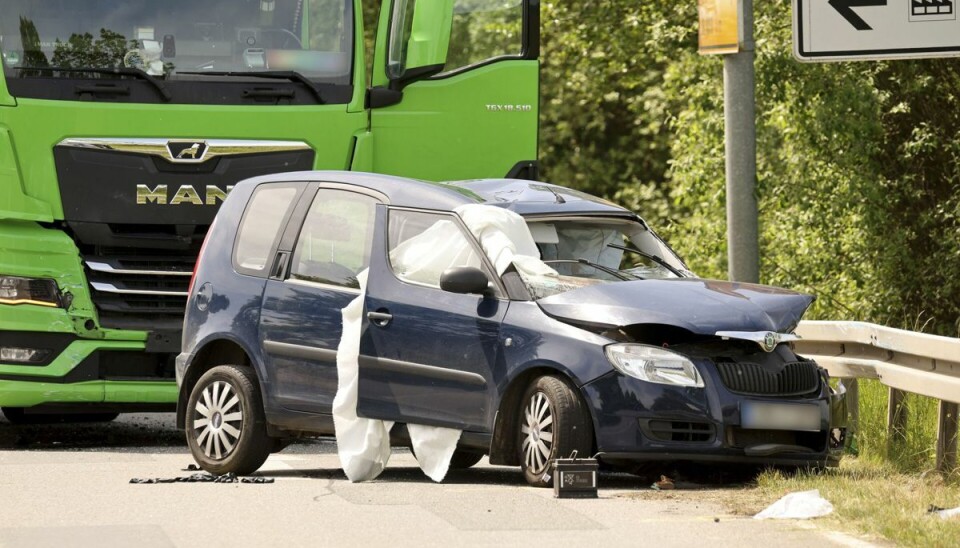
{"type": "Point", "coordinates": [699, 306]}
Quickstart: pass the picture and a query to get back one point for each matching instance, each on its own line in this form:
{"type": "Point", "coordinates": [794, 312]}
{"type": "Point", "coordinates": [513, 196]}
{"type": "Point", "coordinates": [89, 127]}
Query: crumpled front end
{"type": "Point", "coordinates": [764, 408]}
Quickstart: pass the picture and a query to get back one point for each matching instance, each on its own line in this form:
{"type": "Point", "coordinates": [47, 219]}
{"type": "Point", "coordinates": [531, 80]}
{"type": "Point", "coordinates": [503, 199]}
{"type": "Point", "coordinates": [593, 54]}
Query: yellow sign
{"type": "Point", "coordinates": [719, 26]}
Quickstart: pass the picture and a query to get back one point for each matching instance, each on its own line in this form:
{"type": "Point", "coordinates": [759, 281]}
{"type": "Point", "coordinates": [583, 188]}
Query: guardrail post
{"type": "Point", "coordinates": [947, 437]}
{"type": "Point", "coordinates": [896, 418]}
{"type": "Point", "coordinates": [853, 406]}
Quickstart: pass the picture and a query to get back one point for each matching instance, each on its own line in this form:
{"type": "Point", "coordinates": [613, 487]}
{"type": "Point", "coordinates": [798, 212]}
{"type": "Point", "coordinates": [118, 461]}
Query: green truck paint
{"type": "Point", "coordinates": [94, 199]}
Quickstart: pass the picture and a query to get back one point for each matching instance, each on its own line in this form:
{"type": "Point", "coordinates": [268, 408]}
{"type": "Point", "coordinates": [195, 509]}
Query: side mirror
{"type": "Point", "coordinates": [419, 39]}
{"type": "Point", "coordinates": [464, 279]}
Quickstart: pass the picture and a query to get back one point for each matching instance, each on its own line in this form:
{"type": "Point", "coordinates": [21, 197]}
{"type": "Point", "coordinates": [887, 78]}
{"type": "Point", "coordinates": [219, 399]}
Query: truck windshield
{"type": "Point", "coordinates": [227, 39]}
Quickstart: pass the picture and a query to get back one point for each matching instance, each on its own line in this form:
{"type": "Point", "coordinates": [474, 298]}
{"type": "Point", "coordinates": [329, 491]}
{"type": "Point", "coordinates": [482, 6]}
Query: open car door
{"type": "Point", "coordinates": [456, 89]}
{"type": "Point", "coordinates": [428, 356]}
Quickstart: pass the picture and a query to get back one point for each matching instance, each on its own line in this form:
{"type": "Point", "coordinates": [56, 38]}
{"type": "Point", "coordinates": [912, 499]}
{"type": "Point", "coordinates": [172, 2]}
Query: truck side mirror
{"type": "Point", "coordinates": [418, 46]}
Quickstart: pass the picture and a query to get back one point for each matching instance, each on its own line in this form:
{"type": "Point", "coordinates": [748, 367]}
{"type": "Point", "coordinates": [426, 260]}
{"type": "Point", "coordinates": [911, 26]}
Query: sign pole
{"type": "Point", "coordinates": [743, 248]}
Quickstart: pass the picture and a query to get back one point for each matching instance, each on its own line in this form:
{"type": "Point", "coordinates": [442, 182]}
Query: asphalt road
{"type": "Point", "coordinates": [69, 485]}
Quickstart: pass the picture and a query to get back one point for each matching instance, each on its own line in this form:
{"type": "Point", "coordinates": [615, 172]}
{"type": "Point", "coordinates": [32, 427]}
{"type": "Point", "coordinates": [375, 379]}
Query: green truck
{"type": "Point", "coordinates": [124, 124]}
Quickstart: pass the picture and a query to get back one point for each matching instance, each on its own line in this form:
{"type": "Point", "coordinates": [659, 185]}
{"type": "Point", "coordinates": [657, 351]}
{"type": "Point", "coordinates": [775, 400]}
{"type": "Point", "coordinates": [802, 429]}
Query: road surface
{"type": "Point", "coordinates": [69, 485]}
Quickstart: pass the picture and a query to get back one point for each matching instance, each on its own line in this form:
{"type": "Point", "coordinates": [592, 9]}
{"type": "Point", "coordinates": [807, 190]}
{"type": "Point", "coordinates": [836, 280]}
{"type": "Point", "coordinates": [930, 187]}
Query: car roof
{"type": "Point", "coordinates": [521, 196]}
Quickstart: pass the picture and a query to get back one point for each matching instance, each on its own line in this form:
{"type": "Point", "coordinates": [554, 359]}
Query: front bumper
{"type": "Point", "coordinates": [84, 362]}
{"type": "Point", "coordinates": [637, 421]}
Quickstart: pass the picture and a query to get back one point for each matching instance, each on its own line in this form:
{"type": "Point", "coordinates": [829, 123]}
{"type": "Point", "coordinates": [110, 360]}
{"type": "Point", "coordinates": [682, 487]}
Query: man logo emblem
{"type": "Point", "coordinates": [770, 341]}
{"type": "Point", "coordinates": [186, 151]}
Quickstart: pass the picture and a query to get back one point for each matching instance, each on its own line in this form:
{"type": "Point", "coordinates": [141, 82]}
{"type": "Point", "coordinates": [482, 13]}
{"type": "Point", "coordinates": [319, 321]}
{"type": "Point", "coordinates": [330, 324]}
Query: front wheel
{"type": "Point", "coordinates": [225, 424]}
{"type": "Point", "coordinates": [553, 424]}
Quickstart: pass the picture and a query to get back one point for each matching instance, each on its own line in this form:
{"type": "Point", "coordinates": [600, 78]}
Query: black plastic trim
{"type": "Point", "coordinates": [528, 170]}
{"type": "Point", "coordinates": [56, 343]}
{"type": "Point", "coordinates": [430, 371]}
{"type": "Point", "coordinates": [191, 92]}
{"type": "Point", "coordinates": [110, 365]}
{"type": "Point", "coordinates": [301, 352]}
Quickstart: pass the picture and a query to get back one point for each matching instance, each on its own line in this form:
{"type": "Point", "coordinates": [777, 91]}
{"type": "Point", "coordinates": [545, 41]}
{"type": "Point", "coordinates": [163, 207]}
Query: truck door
{"type": "Point", "coordinates": [456, 89]}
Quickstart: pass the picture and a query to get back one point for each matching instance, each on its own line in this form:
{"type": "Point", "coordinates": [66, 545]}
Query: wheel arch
{"type": "Point", "coordinates": [215, 352]}
{"type": "Point", "coordinates": [503, 444]}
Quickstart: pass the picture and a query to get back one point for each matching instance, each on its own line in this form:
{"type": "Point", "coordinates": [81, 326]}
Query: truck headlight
{"type": "Point", "coordinates": [38, 291]}
{"type": "Point", "coordinates": [653, 364]}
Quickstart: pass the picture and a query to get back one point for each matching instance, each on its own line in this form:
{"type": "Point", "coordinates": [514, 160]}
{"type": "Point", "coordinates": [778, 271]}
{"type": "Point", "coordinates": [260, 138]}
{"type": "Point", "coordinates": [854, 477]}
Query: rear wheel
{"type": "Point", "coordinates": [553, 424]}
{"type": "Point", "coordinates": [225, 424]}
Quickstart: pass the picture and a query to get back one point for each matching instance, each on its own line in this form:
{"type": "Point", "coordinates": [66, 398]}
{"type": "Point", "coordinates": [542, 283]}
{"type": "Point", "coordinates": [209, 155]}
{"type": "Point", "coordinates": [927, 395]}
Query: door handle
{"type": "Point", "coordinates": [379, 318]}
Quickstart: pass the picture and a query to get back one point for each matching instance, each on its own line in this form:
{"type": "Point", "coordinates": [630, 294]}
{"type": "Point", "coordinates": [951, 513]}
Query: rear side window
{"type": "Point", "coordinates": [334, 243]}
{"type": "Point", "coordinates": [260, 227]}
{"type": "Point", "coordinates": [424, 245]}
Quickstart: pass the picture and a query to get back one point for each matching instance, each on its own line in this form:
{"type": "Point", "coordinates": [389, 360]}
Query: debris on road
{"type": "Point", "coordinates": [799, 505]}
{"type": "Point", "coordinates": [204, 478]}
{"type": "Point", "coordinates": [944, 513]}
{"type": "Point", "coordinates": [664, 484]}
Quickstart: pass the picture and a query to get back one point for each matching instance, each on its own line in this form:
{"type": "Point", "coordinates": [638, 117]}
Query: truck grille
{"type": "Point", "coordinates": [793, 379]}
{"type": "Point", "coordinates": [139, 289]}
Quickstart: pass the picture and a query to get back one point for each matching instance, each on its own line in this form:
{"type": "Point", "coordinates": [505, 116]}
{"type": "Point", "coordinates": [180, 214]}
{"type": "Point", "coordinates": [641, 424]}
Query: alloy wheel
{"type": "Point", "coordinates": [218, 420]}
{"type": "Point", "coordinates": [538, 431]}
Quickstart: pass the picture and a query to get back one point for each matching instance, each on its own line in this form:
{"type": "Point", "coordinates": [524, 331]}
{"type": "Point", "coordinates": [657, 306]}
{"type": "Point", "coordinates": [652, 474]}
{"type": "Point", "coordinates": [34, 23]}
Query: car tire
{"type": "Point", "coordinates": [225, 424]}
{"type": "Point", "coordinates": [553, 423]}
{"type": "Point", "coordinates": [18, 415]}
{"type": "Point", "coordinates": [463, 459]}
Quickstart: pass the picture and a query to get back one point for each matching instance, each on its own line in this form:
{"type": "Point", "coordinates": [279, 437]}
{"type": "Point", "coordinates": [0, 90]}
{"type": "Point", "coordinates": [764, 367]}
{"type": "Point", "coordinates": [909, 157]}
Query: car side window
{"type": "Point", "coordinates": [424, 245]}
{"type": "Point", "coordinates": [334, 243]}
{"type": "Point", "coordinates": [260, 227]}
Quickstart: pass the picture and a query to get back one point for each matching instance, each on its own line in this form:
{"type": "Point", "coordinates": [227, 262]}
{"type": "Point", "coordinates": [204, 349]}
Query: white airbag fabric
{"type": "Point", "coordinates": [505, 239]}
{"type": "Point", "coordinates": [433, 446]}
{"type": "Point", "coordinates": [362, 444]}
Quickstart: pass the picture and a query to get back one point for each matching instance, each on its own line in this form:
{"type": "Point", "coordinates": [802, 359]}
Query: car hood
{"type": "Point", "coordinates": [699, 306]}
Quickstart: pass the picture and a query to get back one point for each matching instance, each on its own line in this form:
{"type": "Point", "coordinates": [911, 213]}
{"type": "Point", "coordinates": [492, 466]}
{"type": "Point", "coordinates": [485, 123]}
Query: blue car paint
{"type": "Point", "coordinates": [517, 336]}
{"type": "Point", "coordinates": [698, 306]}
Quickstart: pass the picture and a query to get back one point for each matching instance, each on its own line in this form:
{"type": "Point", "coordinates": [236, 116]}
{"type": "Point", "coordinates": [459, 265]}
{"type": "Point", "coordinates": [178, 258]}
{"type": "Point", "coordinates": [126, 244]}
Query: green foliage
{"type": "Point", "coordinates": [858, 164]}
{"type": "Point", "coordinates": [82, 50]}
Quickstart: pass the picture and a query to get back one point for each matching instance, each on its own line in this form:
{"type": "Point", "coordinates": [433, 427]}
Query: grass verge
{"type": "Point", "coordinates": [874, 498]}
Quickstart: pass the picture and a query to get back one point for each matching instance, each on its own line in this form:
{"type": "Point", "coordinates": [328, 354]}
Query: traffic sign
{"type": "Point", "coordinates": [845, 30]}
{"type": "Point", "coordinates": [719, 26]}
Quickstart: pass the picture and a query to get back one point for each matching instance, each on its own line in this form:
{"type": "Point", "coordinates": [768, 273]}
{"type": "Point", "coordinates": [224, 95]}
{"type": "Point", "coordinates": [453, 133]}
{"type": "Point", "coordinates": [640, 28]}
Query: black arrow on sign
{"type": "Point", "coordinates": [845, 9]}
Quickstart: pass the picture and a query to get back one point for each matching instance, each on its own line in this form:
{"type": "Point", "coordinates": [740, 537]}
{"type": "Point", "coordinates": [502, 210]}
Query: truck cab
{"type": "Point", "coordinates": [125, 124]}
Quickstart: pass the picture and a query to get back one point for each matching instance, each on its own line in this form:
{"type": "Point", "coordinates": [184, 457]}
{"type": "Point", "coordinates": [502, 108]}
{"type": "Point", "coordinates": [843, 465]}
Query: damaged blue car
{"type": "Point", "coordinates": [538, 320]}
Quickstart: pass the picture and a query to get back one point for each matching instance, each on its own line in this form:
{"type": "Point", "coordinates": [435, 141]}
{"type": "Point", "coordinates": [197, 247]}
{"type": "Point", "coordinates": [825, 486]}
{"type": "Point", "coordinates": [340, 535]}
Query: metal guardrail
{"type": "Point", "coordinates": [904, 361]}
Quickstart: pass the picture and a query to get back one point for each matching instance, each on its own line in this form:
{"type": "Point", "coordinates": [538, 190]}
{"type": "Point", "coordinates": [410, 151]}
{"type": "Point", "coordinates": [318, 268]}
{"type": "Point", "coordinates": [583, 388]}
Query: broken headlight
{"type": "Point", "coordinates": [38, 291]}
{"type": "Point", "coordinates": [653, 364]}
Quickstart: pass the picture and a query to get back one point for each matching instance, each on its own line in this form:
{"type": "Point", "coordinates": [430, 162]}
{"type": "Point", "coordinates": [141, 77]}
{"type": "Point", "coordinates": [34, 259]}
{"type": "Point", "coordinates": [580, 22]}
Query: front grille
{"type": "Point", "coordinates": [792, 379]}
{"type": "Point", "coordinates": [680, 431]}
{"type": "Point", "coordinates": [139, 288]}
{"type": "Point", "coordinates": [744, 438]}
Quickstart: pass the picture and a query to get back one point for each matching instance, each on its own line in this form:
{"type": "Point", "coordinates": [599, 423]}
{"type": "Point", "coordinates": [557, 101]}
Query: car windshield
{"type": "Point", "coordinates": [167, 40]}
{"type": "Point", "coordinates": [588, 250]}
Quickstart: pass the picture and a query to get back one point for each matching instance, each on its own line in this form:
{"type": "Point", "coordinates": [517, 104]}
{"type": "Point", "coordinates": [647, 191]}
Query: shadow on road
{"type": "Point", "coordinates": [146, 432]}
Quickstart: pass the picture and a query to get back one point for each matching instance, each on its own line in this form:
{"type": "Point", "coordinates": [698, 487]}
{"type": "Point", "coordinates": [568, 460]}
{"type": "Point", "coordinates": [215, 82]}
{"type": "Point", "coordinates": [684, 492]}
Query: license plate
{"type": "Point", "coordinates": [780, 416]}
